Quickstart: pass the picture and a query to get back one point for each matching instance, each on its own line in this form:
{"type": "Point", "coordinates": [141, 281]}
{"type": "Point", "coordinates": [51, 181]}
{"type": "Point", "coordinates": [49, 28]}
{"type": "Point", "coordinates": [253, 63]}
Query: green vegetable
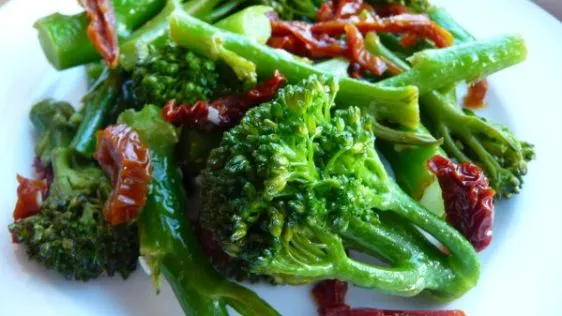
{"type": "Point", "coordinates": [167, 240]}
{"type": "Point", "coordinates": [466, 137]}
{"type": "Point", "coordinates": [155, 32]}
{"type": "Point", "coordinates": [173, 72]}
{"type": "Point", "coordinates": [66, 44]}
{"type": "Point", "coordinates": [294, 9]}
{"type": "Point", "coordinates": [93, 72]}
{"type": "Point", "coordinates": [442, 17]}
{"type": "Point", "coordinates": [398, 105]}
{"type": "Point", "coordinates": [55, 123]}
{"type": "Point", "coordinates": [64, 39]}
{"type": "Point", "coordinates": [434, 69]}
{"type": "Point", "coordinates": [95, 114]}
{"type": "Point", "coordinates": [413, 5]}
{"type": "Point", "coordinates": [249, 23]}
{"type": "Point", "coordinates": [70, 234]}
{"type": "Point", "coordinates": [293, 186]}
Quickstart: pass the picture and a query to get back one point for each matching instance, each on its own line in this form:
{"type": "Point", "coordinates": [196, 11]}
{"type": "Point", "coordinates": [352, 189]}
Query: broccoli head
{"type": "Point", "coordinates": [172, 72]}
{"type": "Point", "coordinates": [293, 186]}
{"type": "Point", "coordinates": [468, 137]}
{"type": "Point", "coordinates": [69, 233]}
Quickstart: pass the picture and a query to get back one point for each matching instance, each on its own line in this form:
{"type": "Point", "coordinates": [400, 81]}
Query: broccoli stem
{"type": "Point", "coordinates": [156, 30]}
{"type": "Point", "coordinates": [445, 20]}
{"type": "Point", "coordinates": [64, 39]}
{"type": "Point", "coordinates": [167, 238]}
{"type": "Point", "coordinates": [434, 69]}
{"type": "Point", "coordinates": [395, 104]}
{"type": "Point", "coordinates": [98, 105]}
{"type": "Point", "coordinates": [410, 162]}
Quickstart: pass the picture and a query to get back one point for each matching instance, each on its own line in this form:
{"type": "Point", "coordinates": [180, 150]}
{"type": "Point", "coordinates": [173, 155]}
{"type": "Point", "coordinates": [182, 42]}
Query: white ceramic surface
{"type": "Point", "coordinates": [521, 272]}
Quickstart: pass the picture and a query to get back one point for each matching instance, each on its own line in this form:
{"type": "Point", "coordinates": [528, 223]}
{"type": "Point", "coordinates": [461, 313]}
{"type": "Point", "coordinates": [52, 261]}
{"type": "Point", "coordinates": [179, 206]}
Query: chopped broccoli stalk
{"type": "Point", "coordinates": [167, 240]}
{"type": "Point", "coordinates": [442, 17]}
{"type": "Point", "coordinates": [70, 234]}
{"type": "Point", "coordinates": [434, 69]}
{"type": "Point", "coordinates": [292, 184]}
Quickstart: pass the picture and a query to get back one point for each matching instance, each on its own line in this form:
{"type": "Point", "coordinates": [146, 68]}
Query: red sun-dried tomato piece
{"type": "Point", "coordinates": [417, 24]}
{"type": "Point", "coordinates": [390, 9]}
{"type": "Point", "coordinates": [330, 299]}
{"type": "Point", "coordinates": [359, 55]}
{"type": "Point", "coordinates": [342, 9]}
{"type": "Point", "coordinates": [101, 29]}
{"type": "Point", "coordinates": [476, 94]}
{"type": "Point", "coordinates": [126, 160]}
{"type": "Point", "coordinates": [30, 196]}
{"type": "Point", "coordinates": [224, 112]}
{"type": "Point", "coordinates": [469, 200]}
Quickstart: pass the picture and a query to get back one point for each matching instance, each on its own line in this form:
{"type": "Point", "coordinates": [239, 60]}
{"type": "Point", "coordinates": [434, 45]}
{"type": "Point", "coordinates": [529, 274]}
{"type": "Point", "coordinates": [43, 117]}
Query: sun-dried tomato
{"type": "Point", "coordinates": [312, 46]}
{"type": "Point", "coordinates": [295, 37]}
{"type": "Point", "coordinates": [101, 29]}
{"type": "Point", "coordinates": [390, 9]}
{"type": "Point", "coordinates": [224, 112]}
{"type": "Point", "coordinates": [342, 9]}
{"type": "Point", "coordinates": [476, 94]}
{"type": "Point", "coordinates": [126, 160]}
{"type": "Point", "coordinates": [417, 24]}
{"type": "Point", "coordinates": [30, 196]}
{"type": "Point", "coordinates": [330, 299]}
{"type": "Point", "coordinates": [359, 55]}
{"type": "Point", "coordinates": [469, 200]}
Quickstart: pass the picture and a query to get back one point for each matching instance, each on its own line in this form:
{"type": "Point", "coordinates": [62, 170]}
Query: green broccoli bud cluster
{"type": "Point", "coordinates": [172, 72]}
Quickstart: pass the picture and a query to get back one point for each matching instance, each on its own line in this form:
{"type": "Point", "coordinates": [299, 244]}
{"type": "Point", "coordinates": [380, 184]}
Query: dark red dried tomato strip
{"type": "Point", "coordinates": [342, 9]}
{"type": "Point", "coordinates": [330, 299]}
{"type": "Point", "coordinates": [359, 55]}
{"type": "Point", "coordinates": [476, 94]}
{"type": "Point", "coordinates": [398, 24]}
{"type": "Point", "coordinates": [224, 112]}
{"type": "Point", "coordinates": [469, 200]}
{"type": "Point", "coordinates": [310, 45]}
{"type": "Point", "coordinates": [122, 155]}
{"type": "Point", "coordinates": [101, 29]}
{"type": "Point", "coordinates": [390, 10]}
{"type": "Point", "coordinates": [30, 196]}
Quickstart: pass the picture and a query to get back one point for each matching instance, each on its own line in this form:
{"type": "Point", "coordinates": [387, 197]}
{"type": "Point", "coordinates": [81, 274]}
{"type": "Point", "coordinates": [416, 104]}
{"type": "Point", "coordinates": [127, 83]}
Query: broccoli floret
{"type": "Point", "coordinates": [292, 184]}
{"type": "Point", "coordinates": [70, 234]}
{"type": "Point", "coordinates": [468, 137]}
{"type": "Point", "coordinates": [172, 72]}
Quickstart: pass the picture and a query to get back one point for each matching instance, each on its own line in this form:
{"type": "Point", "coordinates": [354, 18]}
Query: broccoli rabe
{"type": "Point", "coordinates": [293, 186]}
{"type": "Point", "coordinates": [70, 234]}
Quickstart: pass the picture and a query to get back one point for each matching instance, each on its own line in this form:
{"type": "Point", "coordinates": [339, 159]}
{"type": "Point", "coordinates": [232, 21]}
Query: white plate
{"type": "Point", "coordinates": [521, 273]}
